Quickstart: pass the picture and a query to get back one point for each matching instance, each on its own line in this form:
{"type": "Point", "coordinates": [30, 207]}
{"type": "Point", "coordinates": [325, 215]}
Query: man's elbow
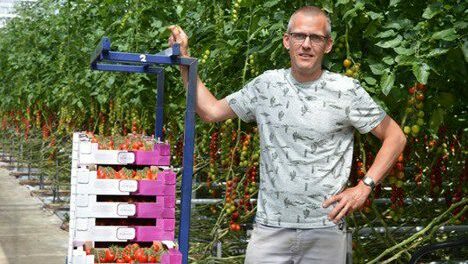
{"type": "Point", "coordinates": [210, 117]}
{"type": "Point", "coordinates": [402, 140]}
{"type": "Point", "coordinates": [207, 118]}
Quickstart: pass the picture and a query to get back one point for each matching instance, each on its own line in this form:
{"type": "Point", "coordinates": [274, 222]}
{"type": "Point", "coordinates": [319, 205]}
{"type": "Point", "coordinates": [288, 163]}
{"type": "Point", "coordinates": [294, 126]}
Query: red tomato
{"type": "Point", "coordinates": [135, 146]}
{"type": "Point", "coordinates": [102, 258]}
{"type": "Point", "coordinates": [142, 258]}
{"type": "Point", "coordinates": [153, 259]}
{"type": "Point", "coordinates": [110, 255]}
{"type": "Point", "coordinates": [149, 175]}
{"type": "Point", "coordinates": [127, 257]}
{"type": "Point", "coordinates": [157, 246]}
{"type": "Point", "coordinates": [119, 260]}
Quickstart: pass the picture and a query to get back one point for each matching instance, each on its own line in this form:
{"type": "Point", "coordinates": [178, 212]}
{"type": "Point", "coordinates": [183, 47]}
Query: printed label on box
{"type": "Point", "coordinates": [83, 176]}
{"type": "Point", "coordinates": [82, 224]}
{"type": "Point", "coordinates": [125, 233]}
{"type": "Point", "coordinates": [128, 185]}
{"type": "Point", "coordinates": [126, 209]}
{"type": "Point", "coordinates": [85, 148]}
{"type": "Point", "coordinates": [125, 157]}
{"type": "Point", "coordinates": [82, 200]}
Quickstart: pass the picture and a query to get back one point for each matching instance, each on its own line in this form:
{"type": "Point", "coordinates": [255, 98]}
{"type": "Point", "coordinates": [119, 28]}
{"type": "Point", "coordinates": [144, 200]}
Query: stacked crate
{"type": "Point", "coordinates": [86, 207]}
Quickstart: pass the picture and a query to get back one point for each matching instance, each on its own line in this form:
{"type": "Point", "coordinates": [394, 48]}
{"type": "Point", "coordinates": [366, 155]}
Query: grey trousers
{"type": "Point", "coordinates": [290, 246]}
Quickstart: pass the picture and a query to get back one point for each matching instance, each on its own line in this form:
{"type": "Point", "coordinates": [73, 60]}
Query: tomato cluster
{"type": "Point", "coordinates": [351, 71]}
{"type": "Point", "coordinates": [414, 109]}
{"type": "Point", "coordinates": [235, 9]}
{"type": "Point", "coordinates": [132, 253]}
{"type": "Point", "coordinates": [129, 142]}
{"type": "Point", "coordinates": [125, 173]}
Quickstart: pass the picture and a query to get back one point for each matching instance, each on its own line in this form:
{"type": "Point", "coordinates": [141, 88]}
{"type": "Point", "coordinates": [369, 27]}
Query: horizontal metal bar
{"type": "Point", "coordinates": [8, 15]}
{"type": "Point", "coordinates": [408, 229]}
{"type": "Point", "coordinates": [116, 56]}
{"type": "Point", "coordinates": [125, 68]}
{"type": "Point", "coordinates": [172, 51]}
{"type": "Point", "coordinates": [410, 201]}
{"type": "Point", "coordinates": [211, 201]}
{"type": "Point", "coordinates": [101, 49]}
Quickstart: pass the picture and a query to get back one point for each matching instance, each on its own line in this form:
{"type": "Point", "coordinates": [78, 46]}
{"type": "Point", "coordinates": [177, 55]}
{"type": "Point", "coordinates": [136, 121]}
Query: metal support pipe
{"type": "Point", "coordinates": [158, 129]}
{"type": "Point", "coordinates": [189, 144]}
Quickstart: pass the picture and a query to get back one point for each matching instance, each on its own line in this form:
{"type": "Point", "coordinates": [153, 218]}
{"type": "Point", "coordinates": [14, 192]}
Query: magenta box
{"type": "Point", "coordinates": [163, 148]}
{"type": "Point", "coordinates": [167, 201]}
{"type": "Point", "coordinates": [168, 177]}
{"type": "Point", "coordinates": [164, 230]}
{"type": "Point", "coordinates": [172, 257]}
{"type": "Point", "coordinates": [149, 234]}
{"type": "Point", "coordinates": [152, 210]}
{"type": "Point", "coordinates": [161, 155]}
{"type": "Point", "coordinates": [146, 187]}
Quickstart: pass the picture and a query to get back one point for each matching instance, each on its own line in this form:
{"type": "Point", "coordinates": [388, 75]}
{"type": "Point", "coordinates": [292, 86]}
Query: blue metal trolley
{"type": "Point", "coordinates": [103, 59]}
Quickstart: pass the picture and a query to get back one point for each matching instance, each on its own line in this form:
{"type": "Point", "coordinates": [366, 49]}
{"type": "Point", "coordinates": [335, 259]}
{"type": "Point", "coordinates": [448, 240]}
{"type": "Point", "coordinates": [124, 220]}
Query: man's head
{"type": "Point", "coordinates": [308, 39]}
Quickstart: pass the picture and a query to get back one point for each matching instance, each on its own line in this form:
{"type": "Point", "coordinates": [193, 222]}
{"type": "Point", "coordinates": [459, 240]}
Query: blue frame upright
{"type": "Point", "coordinates": [103, 59]}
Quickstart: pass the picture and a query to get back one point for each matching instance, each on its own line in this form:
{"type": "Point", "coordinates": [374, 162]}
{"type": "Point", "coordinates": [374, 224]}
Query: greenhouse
{"type": "Point", "coordinates": [239, 131]}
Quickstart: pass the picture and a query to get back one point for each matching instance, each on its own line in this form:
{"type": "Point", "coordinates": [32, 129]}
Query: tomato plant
{"type": "Point", "coordinates": [411, 56]}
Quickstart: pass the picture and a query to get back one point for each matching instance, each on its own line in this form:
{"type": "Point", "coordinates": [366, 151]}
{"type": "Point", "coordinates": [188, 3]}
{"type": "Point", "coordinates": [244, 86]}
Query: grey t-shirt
{"type": "Point", "coordinates": [306, 141]}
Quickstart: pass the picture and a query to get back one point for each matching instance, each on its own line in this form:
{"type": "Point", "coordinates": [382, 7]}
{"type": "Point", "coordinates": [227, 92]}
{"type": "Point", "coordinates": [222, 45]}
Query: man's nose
{"type": "Point", "coordinates": [306, 43]}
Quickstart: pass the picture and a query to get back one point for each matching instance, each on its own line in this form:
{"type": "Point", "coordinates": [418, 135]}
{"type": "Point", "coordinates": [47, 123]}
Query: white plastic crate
{"type": "Point", "coordinates": [84, 208]}
{"type": "Point", "coordinates": [88, 207]}
{"type": "Point", "coordinates": [90, 154]}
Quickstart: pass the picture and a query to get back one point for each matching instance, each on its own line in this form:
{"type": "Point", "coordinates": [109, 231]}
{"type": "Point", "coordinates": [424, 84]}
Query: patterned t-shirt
{"type": "Point", "coordinates": [306, 141]}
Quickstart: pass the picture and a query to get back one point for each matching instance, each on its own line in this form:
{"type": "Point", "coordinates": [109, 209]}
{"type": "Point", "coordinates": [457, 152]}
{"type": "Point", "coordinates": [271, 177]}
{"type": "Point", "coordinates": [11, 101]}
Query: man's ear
{"type": "Point", "coordinates": [286, 41]}
{"type": "Point", "coordinates": [329, 45]}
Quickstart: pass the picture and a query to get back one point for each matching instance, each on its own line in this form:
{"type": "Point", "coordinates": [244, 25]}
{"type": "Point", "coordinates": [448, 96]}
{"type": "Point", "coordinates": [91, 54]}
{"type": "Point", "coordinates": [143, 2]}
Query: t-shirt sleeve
{"type": "Point", "coordinates": [364, 113]}
{"type": "Point", "coordinates": [242, 101]}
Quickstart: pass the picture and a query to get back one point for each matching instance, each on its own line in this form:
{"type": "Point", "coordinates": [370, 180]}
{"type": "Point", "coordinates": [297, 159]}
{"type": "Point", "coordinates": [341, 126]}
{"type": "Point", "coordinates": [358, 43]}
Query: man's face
{"type": "Point", "coordinates": [307, 54]}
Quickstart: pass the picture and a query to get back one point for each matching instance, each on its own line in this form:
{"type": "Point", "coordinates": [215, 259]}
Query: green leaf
{"type": "Point", "coordinates": [341, 2]}
{"type": "Point", "coordinates": [179, 10]}
{"type": "Point", "coordinates": [436, 120]}
{"type": "Point", "coordinates": [377, 68]}
{"type": "Point", "coordinates": [390, 43]}
{"type": "Point", "coordinates": [271, 3]}
{"type": "Point", "coordinates": [374, 15]}
{"type": "Point", "coordinates": [386, 82]}
{"type": "Point", "coordinates": [388, 60]}
{"type": "Point", "coordinates": [110, 81]}
{"type": "Point", "coordinates": [432, 10]}
{"type": "Point", "coordinates": [370, 80]}
{"type": "Point", "coordinates": [403, 23]}
{"type": "Point", "coordinates": [354, 11]}
{"type": "Point", "coordinates": [101, 99]}
{"type": "Point", "coordinates": [404, 60]}
{"type": "Point", "coordinates": [386, 34]}
{"type": "Point", "coordinates": [447, 35]}
{"type": "Point", "coordinates": [435, 52]}
{"type": "Point", "coordinates": [404, 51]}
{"type": "Point", "coordinates": [421, 72]}
{"type": "Point", "coordinates": [460, 25]}
{"type": "Point", "coordinates": [393, 3]}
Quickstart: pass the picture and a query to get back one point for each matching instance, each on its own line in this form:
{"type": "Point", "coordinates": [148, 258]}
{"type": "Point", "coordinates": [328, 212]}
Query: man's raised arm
{"type": "Point", "coordinates": [208, 107]}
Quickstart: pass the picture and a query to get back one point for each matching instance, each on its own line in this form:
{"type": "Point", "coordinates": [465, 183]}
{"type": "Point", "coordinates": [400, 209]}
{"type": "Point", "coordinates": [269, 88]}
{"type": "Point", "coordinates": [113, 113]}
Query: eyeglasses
{"type": "Point", "coordinates": [299, 38]}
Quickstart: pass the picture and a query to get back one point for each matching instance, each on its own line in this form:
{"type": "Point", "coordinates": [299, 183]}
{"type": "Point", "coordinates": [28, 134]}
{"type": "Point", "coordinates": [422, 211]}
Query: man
{"type": "Point", "coordinates": [306, 118]}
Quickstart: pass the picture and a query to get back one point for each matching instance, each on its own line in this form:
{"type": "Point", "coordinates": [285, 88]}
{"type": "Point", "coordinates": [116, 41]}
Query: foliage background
{"type": "Point", "coordinates": [46, 85]}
